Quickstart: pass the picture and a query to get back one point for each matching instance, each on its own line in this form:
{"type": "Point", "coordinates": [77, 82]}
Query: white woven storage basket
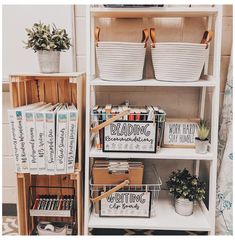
{"type": "Point", "coordinates": [179, 61]}
{"type": "Point", "coordinates": [121, 61]}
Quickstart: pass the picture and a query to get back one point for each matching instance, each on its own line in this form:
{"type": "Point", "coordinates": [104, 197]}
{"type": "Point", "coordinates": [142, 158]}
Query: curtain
{"type": "Point", "coordinates": [224, 195]}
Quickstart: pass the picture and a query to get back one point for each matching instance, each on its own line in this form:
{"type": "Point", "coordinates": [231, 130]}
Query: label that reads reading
{"type": "Point", "coordinates": [126, 204]}
{"type": "Point", "coordinates": [125, 136]}
{"type": "Point", "coordinates": [180, 133]}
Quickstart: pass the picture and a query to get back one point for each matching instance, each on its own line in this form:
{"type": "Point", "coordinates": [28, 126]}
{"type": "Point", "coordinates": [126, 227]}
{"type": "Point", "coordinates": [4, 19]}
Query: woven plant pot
{"type": "Point", "coordinates": [49, 61]}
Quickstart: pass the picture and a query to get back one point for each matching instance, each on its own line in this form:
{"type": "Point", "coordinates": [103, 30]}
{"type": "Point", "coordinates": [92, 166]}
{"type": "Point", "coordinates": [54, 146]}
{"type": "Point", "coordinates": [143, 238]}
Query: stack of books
{"type": "Point", "coordinates": [44, 138]}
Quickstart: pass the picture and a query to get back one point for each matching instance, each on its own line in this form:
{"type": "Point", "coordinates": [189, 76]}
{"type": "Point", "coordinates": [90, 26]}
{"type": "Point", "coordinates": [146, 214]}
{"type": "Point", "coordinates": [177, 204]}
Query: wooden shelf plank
{"type": "Point", "coordinates": [163, 153]}
{"type": "Point", "coordinates": [183, 11]}
{"type": "Point", "coordinates": [165, 218]}
{"type": "Point", "coordinates": [60, 74]}
{"type": "Point", "coordinates": [153, 83]}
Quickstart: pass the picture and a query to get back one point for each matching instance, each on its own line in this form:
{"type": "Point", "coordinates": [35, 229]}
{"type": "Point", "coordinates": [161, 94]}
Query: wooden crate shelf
{"type": "Point", "coordinates": [27, 88]}
{"type": "Point", "coordinates": [52, 88]}
{"type": "Point", "coordinates": [25, 180]}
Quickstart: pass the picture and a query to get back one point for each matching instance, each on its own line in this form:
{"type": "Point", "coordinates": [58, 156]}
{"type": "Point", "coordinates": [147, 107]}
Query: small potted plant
{"type": "Point", "coordinates": [48, 43]}
{"type": "Point", "coordinates": [186, 190]}
{"type": "Point", "coordinates": [201, 142]}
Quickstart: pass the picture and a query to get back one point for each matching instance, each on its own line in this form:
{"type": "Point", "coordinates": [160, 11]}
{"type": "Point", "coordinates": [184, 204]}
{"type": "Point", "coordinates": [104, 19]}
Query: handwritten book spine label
{"type": "Point", "coordinates": [14, 142]}
{"type": "Point", "coordinates": [72, 140]}
{"type": "Point", "coordinates": [61, 149]}
{"type": "Point", "coordinates": [31, 141]}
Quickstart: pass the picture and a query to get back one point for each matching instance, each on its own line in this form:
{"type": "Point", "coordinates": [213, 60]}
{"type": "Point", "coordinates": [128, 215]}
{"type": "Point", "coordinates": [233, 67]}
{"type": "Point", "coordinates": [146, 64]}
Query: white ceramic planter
{"type": "Point", "coordinates": [201, 146]}
{"type": "Point", "coordinates": [49, 61]}
{"type": "Point", "coordinates": [183, 206]}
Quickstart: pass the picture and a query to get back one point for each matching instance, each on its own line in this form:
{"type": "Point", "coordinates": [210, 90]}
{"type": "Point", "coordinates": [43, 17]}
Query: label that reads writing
{"type": "Point", "coordinates": [180, 133]}
{"type": "Point", "coordinates": [126, 204]}
{"type": "Point", "coordinates": [124, 136]}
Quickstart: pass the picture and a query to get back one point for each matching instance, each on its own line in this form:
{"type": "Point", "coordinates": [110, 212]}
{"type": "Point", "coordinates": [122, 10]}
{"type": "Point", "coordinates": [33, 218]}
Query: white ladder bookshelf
{"type": "Point", "coordinates": [203, 218]}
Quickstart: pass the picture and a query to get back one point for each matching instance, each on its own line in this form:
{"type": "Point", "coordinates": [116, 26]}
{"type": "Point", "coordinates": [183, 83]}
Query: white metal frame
{"type": "Point", "coordinates": [205, 218]}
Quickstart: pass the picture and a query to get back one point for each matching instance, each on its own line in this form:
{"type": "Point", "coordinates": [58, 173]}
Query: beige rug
{"type": "Point", "coordinates": [9, 225]}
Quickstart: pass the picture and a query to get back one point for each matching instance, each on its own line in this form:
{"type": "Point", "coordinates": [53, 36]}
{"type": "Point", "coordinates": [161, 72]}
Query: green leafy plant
{"type": "Point", "coordinates": [203, 130]}
{"type": "Point", "coordinates": [42, 37]}
{"type": "Point", "coordinates": [182, 184]}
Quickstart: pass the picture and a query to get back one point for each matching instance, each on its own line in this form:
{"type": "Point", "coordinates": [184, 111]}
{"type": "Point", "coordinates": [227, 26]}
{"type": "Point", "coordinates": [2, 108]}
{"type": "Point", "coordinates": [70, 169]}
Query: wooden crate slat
{"type": "Point", "coordinates": [21, 207]}
{"type": "Point", "coordinates": [20, 93]}
{"type": "Point", "coordinates": [41, 89]}
{"type": "Point", "coordinates": [14, 95]}
{"type": "Point", "coordinates": [34, 91]}
{"type": "Point", "coordinates": [74, 94]}
{"type": "Point", "coordinates": [27, 100]}
{"type": "Point", "coordinates": [63, 90]}
{"type": "Point", "coordinates": [51, 91]}
{"type": "Point", "coordinates": [70, 93]}
{"type": "Point", "coordinates": [42, 180]}
{"type": "Point", "coordinates": [26, 184]}
{"type": "Point", "coordinates": [54, 181]}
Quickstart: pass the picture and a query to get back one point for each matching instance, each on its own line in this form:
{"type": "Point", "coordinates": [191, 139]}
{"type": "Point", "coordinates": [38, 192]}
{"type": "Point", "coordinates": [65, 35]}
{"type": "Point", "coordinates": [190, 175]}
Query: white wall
{"type": "Point", "coordinates": [18, 17]}
{"type": "Point", "coordinates": [18, 59]}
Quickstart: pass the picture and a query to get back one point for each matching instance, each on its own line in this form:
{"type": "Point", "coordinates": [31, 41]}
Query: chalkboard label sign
{"type": "Point", "coordinates": [126, 204]}
{"type": "Point", "coordinates": [180, 133]}
{"type": "Point", "coordinates": [130, 136]}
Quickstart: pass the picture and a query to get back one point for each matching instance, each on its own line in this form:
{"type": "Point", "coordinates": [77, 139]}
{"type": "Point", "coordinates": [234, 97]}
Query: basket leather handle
{"type": "Point", "coordinates": [97, 35]}
{"type": "Point", "coordinates": [153, 36]}
{"type": "Point", "coordinates": [145, 36]}
{"type": "Point", "coordinates": [207, 37]}
{"type": "Point", "coordinates": [106, 194]}
{"type": "Point", "coordinates": [109, 121]}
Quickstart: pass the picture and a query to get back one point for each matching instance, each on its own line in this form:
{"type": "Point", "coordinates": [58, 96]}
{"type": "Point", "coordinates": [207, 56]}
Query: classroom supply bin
{"type": "Point", "coordinates": [99, 193]}
{"type": "Point", "coordinates": [130, 130]}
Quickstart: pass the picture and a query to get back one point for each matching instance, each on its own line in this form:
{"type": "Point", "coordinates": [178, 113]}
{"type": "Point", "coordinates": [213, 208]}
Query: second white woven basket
{"type": "Point", "coordinates": [178, 61]}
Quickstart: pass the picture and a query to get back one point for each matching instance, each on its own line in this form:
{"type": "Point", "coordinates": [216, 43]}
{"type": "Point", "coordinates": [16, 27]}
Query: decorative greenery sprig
{"type": "Point", "coordinates": [203, 130]}
{"type": "Point", "coordinates": [41, 37]}
{"type": "Point", "coordinates": [182, 184]}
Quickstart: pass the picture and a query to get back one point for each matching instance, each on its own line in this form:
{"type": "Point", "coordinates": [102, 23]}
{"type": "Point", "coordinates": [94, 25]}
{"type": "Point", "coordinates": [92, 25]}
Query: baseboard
{"type": "Point", "coordinates": [9, 209]}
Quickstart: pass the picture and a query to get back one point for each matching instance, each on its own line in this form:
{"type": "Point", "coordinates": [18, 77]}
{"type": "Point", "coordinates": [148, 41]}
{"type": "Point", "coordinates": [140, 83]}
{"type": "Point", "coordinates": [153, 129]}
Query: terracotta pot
{"type": "Point", "coordinates": [183, 206]}
{"type": "Point", "coordinates": [49, 61]}
{"type": "Point", "coordinates": [201, 146]}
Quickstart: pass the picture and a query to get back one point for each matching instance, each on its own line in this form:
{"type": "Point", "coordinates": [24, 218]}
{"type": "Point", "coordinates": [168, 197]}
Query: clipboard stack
{"type": "Point", "coordinates": [108, 173]}
{"type": "Point", "coordinates": [117, 171]}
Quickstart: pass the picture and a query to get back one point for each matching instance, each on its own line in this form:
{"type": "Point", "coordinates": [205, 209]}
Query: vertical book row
{"type": "Point", "coordinates": [44, 138]}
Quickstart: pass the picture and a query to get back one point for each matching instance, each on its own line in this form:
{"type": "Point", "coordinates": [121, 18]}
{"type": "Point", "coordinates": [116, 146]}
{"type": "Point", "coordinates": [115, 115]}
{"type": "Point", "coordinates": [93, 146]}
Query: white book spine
{"type": "Point", "coordinates": [72, 140]}
{"type": "Point", "coordinates": [61, 142]}
{"type": "Point", "coordinates": [15, 147]}
{"type": "Point", "coordinates": [31, 142]}
{"type": "Point", "coordinates": [20, 136]}
{"type": "Point", "coordinates": [50, 143]}
{"type": "Point", "coordinates": [40, 140]}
